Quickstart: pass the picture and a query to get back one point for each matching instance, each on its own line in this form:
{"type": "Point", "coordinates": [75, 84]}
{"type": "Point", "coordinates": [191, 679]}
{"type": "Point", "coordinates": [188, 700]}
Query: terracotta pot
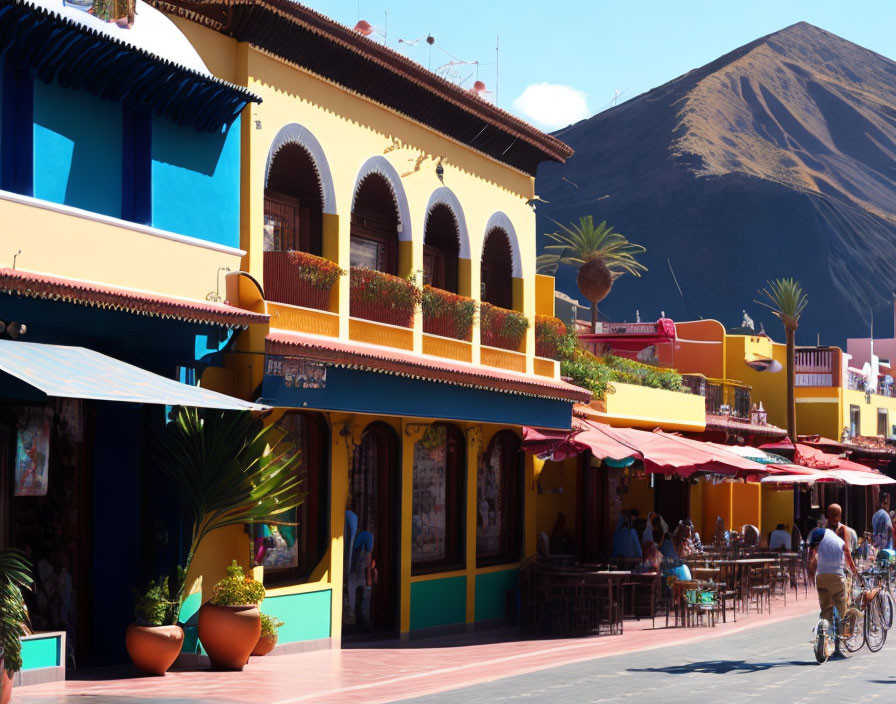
{"type": "Point", "coordinates": [5, 685]}
{"type": "Point", "coordinates": [153, 649]}
{"type": "Point", "coordinates": [229, 634]}
{"type": "Point", "coordinates": [265, 645]}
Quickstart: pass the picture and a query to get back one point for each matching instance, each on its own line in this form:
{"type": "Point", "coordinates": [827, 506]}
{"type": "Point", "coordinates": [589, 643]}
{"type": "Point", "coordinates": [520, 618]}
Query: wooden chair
{"type": "Point", "coordinates": [759, 588]}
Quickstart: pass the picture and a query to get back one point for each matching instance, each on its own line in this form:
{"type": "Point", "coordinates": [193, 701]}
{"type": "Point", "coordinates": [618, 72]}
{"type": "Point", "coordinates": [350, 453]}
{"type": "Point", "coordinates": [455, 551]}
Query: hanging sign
{"type": "Point", "coordinates": [297, 373]}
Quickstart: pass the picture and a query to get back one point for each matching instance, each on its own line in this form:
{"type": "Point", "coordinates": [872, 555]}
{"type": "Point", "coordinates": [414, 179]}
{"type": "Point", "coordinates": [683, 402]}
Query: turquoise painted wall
{"type": "Point", "coordinates": [491, 593]}
{"type": "Point", "coordinates": [77, 149]}
{"type": "Point", "coordinates": [41, 652]}
{"type": "Point", "coordinates": [305, 616]}
{"type": "Point", "coordinates": [438, 602]}
{"type": "Point", "coordinates": [196, 182]}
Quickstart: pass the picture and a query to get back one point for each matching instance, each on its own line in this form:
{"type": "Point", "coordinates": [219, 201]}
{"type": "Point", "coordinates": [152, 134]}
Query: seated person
{"type": "Point", "coordinates": [750, 535]}
{"type": "Point", "coordinates": [780, 539]}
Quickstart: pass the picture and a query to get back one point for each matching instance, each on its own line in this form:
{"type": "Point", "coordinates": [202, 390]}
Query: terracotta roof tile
{"type": "Point", "coordinates": [421, 366]}
{"type": "Point", "coordinates": [31, 285]}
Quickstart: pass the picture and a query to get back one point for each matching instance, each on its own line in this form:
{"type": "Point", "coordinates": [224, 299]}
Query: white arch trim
{"type": "Point", "coordinates": [501, 220]}
{"type": "Point", "coordinates": [445, 196]}
{"type": "Point", "coordinates": [380, 165]}
{"type": "Point", "coordinates": [294, 133]}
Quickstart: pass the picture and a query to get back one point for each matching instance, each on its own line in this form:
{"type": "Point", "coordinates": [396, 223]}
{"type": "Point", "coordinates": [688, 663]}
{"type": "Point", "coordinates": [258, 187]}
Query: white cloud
{"type": "Point", "coordinates": [552, 105]}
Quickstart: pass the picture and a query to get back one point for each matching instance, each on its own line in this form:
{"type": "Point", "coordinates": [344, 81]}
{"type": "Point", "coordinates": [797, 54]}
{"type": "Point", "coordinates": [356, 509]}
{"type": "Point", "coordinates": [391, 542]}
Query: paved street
{"type": "Point", "coordinates": [772, 663]}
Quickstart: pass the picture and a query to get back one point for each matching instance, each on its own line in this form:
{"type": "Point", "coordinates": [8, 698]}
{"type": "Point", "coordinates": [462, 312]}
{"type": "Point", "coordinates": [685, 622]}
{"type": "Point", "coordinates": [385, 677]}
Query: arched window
{"type": "Point", "coordinates": [291, 552]}
{"type": "Point", "coordinates": [293, 203]}
{"type": "Point", "coordinates": [441, 247]}
{"type": "Point", "coordinates": [438, 499]}
{"type": "Point", "coordinates": [374, 227]}
{"type": "Point", "coordinates": [497, 269]}
{"type": "Point", "coordinates": [499, 502]}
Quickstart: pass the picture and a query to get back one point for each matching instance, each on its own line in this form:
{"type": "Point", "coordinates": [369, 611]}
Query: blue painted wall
{"type": "Point", "coordinates": [305, 616]}
{"type": "Point", "coordinates": [196, 182]}
{"type": "Point", "coordinates": [77, 149]}
{"type": "Point", "coordinates": [359, 391]}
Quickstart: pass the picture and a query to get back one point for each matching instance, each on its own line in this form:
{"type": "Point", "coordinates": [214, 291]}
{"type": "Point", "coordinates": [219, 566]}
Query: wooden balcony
{"type": "Point", "coordinates": [817, 366]}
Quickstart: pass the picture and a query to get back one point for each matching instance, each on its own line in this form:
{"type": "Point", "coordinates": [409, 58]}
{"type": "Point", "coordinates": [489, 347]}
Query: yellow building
{"type": "Point", "coordinates": [365, 177]}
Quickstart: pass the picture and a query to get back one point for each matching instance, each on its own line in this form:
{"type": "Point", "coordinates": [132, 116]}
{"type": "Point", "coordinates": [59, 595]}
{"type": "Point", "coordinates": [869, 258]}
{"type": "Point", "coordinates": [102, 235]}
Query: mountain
{"type": "Point", "coordinates": [777, 159]}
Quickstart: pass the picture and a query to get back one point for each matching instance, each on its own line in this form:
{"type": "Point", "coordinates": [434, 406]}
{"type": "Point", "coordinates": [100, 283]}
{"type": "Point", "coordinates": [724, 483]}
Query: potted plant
{"type": "Point", "coordinates": [447, 314]}
{"type": "Point", "coordinates": [154, 640]}
{"type": "Point", "coordinates": [382, 297]}
{"type": "Point", "coordinates": [502, 328]}
{"type": "Point", "coordinates": [15, 575]}
{"type": "Point", "coordinates": [228, 468]}
{"type": "Point", "coordinates": [268, 638]}
{"type": "Point", "coordinates": [230, 622]}
{"type": "Point", "coordinates": [548, 333]}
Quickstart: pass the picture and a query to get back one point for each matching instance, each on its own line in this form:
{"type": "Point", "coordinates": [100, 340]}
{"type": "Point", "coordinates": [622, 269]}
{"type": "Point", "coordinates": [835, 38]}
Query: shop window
{"type": "Point", "coordinates": [291, 552]}
{"type": "Point", "coordinates": [499, 502]}
{"type": "Point", "coordinates": [438, 500]}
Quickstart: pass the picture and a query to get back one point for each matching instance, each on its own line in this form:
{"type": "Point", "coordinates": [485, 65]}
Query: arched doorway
{"type": "Point", "coordinates": [374, 500]}
{"type": "Point", "coordinates": [499, 500]}
{"type": "Point", "coordinates": [497, 269]}
{"type": "Point", "coordinates": [293, 203]}
{"type": "Point", "coordinates": [441, 249]}
{"type": "Point", "coordinates": [374, 227]}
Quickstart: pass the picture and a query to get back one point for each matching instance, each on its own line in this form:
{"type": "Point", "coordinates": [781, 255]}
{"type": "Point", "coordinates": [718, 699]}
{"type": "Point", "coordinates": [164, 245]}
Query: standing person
{"type": "Point", "coordinates": [828, 559]}
{"type": "Point", "coordinates": [882, 524]}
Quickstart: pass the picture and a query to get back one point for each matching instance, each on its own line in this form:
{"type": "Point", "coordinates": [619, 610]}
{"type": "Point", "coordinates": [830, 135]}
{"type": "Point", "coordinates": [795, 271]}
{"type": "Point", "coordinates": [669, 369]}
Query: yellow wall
{"type": "Point", "coordinates": [647, 408]}
{"type": "Point", "coordinates": [868, 411]}
{"type": "Point", "coordinates": [639, 495]}
{"type": "Point", "coordinates": [777, 507]}
{"type": "Point", "coordinates": [544, 294]}
{"type": "Point", "coordinates": [55, 242]}
{"type": "Point", "coordinates": [746, 504]}
{"type": "Point", "coordinates": [558, 482]}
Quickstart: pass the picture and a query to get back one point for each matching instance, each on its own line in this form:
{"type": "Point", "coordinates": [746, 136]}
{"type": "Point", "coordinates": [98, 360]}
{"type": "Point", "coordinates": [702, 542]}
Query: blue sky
{"type": "Point", "coordinates": [560, 62]}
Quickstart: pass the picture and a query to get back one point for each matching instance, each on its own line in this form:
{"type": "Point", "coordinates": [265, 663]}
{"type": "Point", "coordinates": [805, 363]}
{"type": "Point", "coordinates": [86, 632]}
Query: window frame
{"type": "Point", "coordinates": [455, 507]}
{"type": "Point", "coordinates": [511, 540]}
{"type": "Point", "coordinates": [314, 537]}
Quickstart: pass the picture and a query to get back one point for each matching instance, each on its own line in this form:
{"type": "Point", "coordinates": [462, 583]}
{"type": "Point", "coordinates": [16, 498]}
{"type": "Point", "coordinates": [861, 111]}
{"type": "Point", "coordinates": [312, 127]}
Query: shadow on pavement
{"type": "Point", "coordinates": [721, 667]}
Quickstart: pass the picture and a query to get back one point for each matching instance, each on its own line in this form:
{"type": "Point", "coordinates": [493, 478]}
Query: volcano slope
{"type": "Point", "coordinates": [777, 159]}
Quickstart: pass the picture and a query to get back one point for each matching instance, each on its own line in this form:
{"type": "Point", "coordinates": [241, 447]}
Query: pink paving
{"type": "Point", "coordinates": [392, 671]}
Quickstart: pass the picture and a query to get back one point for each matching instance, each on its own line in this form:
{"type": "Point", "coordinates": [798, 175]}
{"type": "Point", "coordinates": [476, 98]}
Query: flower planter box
{"type": "Point", "coordinates": [447, 314]}
{"type": "Point", "coordinates": [383, 298]}
{"type": "Point", "coordinates": [299, 279]}
{"type": "Point", "coordinates": [502, 328]}
{"type": "Point", "coordinates": [548, 333]}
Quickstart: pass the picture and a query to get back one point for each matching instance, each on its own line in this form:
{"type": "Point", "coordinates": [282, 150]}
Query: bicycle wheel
{"type": "Point", "coordinates": [854, 624]}
{"type": "Point", "coordinates": [822, 638]}
{"type": "Point", "coordinates": [875, 631]}
{"type": "Point", "coordinates": [888, 607]}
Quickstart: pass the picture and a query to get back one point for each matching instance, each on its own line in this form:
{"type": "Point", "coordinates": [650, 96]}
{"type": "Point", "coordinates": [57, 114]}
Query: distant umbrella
{"type": "Point", "coordinates": [364, 27]}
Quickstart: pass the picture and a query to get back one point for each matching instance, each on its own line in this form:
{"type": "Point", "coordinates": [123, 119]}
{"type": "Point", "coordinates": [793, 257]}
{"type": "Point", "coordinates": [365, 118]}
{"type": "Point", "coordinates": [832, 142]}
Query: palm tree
{"type": "Point", "coordinates": [600, 255]}
{"type": "Point", "coordinates": [785, 299]}
{"type": "Point", "coordinates": [15, 576]}
{"type": "Point", "coordinates": [228, 468]}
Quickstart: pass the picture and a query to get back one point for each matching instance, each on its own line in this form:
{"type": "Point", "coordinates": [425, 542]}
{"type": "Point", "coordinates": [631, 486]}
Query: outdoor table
{"type": "Point", "coordinates": [705, 572]}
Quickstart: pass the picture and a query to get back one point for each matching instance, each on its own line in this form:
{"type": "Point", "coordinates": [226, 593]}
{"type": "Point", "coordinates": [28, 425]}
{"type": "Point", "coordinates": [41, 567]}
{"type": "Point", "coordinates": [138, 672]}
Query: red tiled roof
{"type": "Point", "coordinates": [419, 366]}
{"type": "Point", "coordinates": [30, 285]}
{"type": "Point", "coordinates": [323, 46]}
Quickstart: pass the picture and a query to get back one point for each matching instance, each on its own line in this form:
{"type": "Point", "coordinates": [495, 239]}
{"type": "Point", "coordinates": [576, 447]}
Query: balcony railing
{"type": "Point", "coordinates": [722, 395]}
{"type": "Point", "coordinates": [447, 314]}
{"type": "Point", "coordinates": [502, 328]}
{"type": "Point", "coordinates": [815, 367]}
{"type": "Point", "coordinates": [383, 298]}
{"type": "Point", "coordinates": [299, 279]}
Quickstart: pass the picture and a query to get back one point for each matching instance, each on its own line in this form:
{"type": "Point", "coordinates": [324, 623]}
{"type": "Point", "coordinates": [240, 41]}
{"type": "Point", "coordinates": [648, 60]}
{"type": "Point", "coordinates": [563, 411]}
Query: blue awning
{"type": "Point", "coordinates": [78, 372]}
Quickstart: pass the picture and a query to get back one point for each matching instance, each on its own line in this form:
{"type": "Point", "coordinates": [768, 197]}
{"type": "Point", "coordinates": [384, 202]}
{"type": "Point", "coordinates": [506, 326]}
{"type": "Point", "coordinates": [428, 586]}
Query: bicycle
{"type": "Point", "coordinates": [873, 600]}
{"type": "Point", "coordinates": [880, 576]}
{"type": "Point", "coordinates": [829, 635]}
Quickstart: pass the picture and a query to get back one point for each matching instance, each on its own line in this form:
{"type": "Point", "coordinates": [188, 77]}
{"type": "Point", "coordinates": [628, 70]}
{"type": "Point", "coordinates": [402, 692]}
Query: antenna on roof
{"type": "Point", "coordinates": [497, 67]}
{"type": "Point", "coordinates": [386, 29]}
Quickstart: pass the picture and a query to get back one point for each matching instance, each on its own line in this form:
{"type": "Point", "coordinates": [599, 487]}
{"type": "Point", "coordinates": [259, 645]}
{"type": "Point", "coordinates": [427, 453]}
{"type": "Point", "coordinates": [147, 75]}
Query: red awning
{"type": "Point", "coordinates": [662, 453]}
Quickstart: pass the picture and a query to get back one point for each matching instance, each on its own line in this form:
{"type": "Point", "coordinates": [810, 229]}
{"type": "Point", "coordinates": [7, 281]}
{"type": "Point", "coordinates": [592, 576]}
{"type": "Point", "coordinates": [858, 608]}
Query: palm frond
{"type": "Point", "coordinates": [229, 468]}
{"type": "Point", "coordinates": [785, 299]}
{"type": "Point", "coordinates": [577, 243]}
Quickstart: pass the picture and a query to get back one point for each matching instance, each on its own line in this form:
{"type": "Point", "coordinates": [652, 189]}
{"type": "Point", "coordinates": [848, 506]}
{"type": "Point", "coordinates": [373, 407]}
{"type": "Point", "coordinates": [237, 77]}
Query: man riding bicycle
{"type": "Point", "coordinates": [828, 558]}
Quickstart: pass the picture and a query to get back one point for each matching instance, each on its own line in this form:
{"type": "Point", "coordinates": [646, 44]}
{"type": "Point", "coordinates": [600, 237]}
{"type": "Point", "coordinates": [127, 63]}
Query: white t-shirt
{"type": "Point", "coordinates": [830, 554]}
{"type": "Point", "coordinates": [779, 539]}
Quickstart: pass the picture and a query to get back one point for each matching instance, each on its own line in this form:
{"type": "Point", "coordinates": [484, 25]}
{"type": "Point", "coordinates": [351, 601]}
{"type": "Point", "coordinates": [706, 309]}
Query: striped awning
{"type": "Point", "coordinates": [78, 372]}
